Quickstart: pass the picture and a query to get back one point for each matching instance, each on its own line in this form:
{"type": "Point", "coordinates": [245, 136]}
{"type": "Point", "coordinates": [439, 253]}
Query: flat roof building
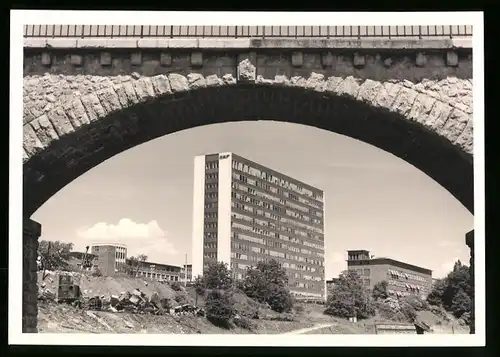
{"type": "Point", "coordinates": [244, 213]}
{"type": "Point", "coordinates": [403, 279]}
{"type": "Point", "coordinates": [156, 271]}
{"type": "Point", "coordinates": [111, 257]}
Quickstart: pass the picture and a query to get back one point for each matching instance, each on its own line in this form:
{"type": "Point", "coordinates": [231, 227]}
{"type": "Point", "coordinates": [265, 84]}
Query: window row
{"type": "Point", "coordinates": [265, 176]}
{"type": "Point", "coordinates": [308, 231]}
{"type": "Point", "coordinates": [272, 198]}
{"type": "Point", "coordinates": [211, 195]}
{"type": "Point", "coordinates": [210, 215]}
{"type": "Point", "coordinates": [212, 176]}
{"type": "Point", "coordinates": [210, 255]}
{"type": "Point", "coordinates": [158, 276]}
{"type": "Point", "coordinates": [299, 284]}
{"type": "Point", "coordinates": [362, 272]}
{"type": "Point", "coordinates": [211, 185]}
{"type": "Point", "coordinates": [209, 205]}
{"type": "Point", "coordinates": [210, 235]}
{"type": "Point", "coordinates": [210, 245]}
{"type": "Point", "coordinates": [395, 274]}
{"type": "Point", "coordinates": [275, 244]}
{"type": "Point", "coordinates": [210, 165]}
{"type": "Point", "coordinates": [406, 286]}
{"type": "Point", "coordinates": [210, 224]}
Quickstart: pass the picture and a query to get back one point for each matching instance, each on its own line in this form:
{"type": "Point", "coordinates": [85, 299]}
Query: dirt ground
{"type": "Point", "coordinates": [59, 318]}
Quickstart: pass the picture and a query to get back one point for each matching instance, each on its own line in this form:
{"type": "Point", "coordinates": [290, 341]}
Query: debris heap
{"type": "Point", "coordinates": [135, 302]}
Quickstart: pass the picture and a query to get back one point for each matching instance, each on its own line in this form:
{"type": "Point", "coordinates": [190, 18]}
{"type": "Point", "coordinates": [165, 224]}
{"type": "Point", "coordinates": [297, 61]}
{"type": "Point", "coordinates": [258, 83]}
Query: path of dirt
{"type": "Point", "coordinates": [306, 330]}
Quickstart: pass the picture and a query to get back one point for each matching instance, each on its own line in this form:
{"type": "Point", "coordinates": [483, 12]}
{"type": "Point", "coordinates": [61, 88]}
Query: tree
{"type": "Point", "coordinates": [54, 255]}
{"type": "Point", "coordinates": [267, 282]}
{"type": "Point", "coordinates": [350, 298]}
{"type": "Point", "coordinates": [380, 291]}
{"type": "Point", "coordinates": [134, 263]}
{"type": "Point", "coordinates": [215, 276]}
{"type": "Point", "coordinates": [219, 307]}
{"type": "Point", "coordinates": [454, 291]}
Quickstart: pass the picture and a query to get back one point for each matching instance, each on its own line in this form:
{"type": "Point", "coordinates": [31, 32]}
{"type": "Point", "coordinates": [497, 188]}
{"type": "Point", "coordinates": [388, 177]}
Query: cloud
{"type": "Point", "coordinates": [140, 238]}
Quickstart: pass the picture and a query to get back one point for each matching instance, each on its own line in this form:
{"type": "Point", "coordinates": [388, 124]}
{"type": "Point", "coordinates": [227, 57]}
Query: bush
{"type": "Point", "coordinates": [465, 318]}
{"type": "Point", "coordinates": [454, 292]}
{"type": "Point", "coordinates": [416, 302]}
{"type": "Point", "coordinates": [166, 303]}
{"type": "Point", "coordinates": [460, 304]}
{"type": "Point", "coordinates": [267, 283]}
{"type": "Point", "coordinates": [244, 323]}
{"type": "Point", "coordinates": [181, 298]}
{"type": "Point", "coordinates": [349, 298]}
{"type": "Point", "coordinates": [176, 286]}
{"type": "Point", "coordinates": [219, 308]}
{"type": "Point", "coordinates": [408, 311]}
{"type": "Point", "coordinates": [379, 291]}
{"type": "Point", "coordinates": [215, 276]}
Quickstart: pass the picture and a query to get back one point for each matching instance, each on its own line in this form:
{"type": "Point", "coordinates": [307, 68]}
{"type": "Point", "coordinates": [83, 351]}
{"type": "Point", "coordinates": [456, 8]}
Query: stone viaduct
{"type": "Point", "coordinates": [87, 99]}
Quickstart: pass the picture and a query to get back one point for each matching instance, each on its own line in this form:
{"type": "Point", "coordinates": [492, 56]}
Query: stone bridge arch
{"type": "Point", "coordinates": [74, 122]}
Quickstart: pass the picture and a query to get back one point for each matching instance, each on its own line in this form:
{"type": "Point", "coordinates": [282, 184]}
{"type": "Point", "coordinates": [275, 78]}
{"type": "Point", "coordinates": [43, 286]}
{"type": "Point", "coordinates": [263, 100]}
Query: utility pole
{"type": "Point", "coordinates": [185, 269]}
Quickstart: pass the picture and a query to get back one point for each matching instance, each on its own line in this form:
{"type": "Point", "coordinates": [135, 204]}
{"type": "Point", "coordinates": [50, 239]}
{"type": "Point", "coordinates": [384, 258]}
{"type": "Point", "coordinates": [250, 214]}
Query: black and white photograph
{"type": "Point", "coordinates": [239, 180]}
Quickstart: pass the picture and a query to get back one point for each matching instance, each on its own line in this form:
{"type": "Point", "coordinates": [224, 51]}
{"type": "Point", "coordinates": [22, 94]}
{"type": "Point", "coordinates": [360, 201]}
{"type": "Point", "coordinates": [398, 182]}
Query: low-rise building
{"type": "Point", "coordinates": [157, 271]}
{"type": "Point", "coordinates": [187, 272]}
{"type": "Point", "coordinates": [402, 278]}
{"type": "Point", "coordinates": [111, 257]}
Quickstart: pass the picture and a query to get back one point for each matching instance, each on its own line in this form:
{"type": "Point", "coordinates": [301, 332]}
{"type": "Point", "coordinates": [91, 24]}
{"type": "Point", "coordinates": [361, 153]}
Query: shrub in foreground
{"type": "Point", "coordinates": [219, 308]}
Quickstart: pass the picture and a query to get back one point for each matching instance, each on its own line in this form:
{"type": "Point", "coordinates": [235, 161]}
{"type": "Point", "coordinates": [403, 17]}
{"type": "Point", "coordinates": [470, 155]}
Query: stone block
{"type": "Point", "coordinates": [165, 59]}
{"type": "Point", "coordinates": [358, 60]}
{"type": "Point", "coordinates": [451, 59]}
{"type": "Point", "coordinates": [105, 58]}
{"type": "Point", "coordinates": [197, 59]}
{"type": "Point", "coordinates": [420, 59]}
{"type": "Point", "coordinates": [327, 59]}
{"type": "Point", "coordinates": [246, 71]}
{"type": "Point", "coordinates": [76, 60]}
{"type": "Point", "coordinates": [46, 59]}
{"type": "Point", "coordinates": [297, 59]}
{"type": "Point", "coordinates": [136, 58]}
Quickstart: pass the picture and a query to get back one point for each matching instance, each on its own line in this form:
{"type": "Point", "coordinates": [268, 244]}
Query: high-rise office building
{"type": "Point", "coordinates": [244, 213]}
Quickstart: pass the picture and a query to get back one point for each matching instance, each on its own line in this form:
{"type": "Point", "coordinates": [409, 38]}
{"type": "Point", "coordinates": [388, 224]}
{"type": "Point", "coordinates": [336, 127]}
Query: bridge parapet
{"type": "Point", "coordinates": [217, 31]}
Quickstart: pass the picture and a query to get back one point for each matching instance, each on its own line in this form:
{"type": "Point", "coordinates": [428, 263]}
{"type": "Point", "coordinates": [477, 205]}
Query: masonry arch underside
{"type": "Point", "coordinates": [72, 154]}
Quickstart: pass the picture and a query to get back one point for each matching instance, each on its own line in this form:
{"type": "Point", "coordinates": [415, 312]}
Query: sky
{"type": "Point", "coordinates": [375, 201]}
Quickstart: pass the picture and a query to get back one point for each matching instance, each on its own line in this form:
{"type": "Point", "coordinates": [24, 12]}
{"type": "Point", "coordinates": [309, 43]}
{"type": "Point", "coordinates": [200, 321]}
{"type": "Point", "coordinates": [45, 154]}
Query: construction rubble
{"type": "Point", "coordinates": [135, 302]}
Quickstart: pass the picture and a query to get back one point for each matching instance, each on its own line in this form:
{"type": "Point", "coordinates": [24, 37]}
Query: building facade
{"type": "Point", "coordinates": [403, 279]}
{"type": "Point", "coordinates": [111, 257]}
{"type": "Point", "coordinates": [244, 213]}
{"type": "Point", "coordinates": [157, 271]}
{"type": "Point", "coordinates": [187, 272]}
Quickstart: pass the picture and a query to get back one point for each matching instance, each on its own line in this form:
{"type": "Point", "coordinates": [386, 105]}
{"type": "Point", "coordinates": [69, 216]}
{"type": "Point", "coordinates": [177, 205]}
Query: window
{"type": "Point", "coordinates": [366, 272]}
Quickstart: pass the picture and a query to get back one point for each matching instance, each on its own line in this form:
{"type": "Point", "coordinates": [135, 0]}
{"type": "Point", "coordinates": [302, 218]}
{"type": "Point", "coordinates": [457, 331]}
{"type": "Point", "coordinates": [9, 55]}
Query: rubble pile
{"type": "Point", "coordinates": [133, 302]}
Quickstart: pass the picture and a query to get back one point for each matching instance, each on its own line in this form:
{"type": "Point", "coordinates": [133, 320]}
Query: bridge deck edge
{"type": "Point", "coordinates": [246, 43]}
